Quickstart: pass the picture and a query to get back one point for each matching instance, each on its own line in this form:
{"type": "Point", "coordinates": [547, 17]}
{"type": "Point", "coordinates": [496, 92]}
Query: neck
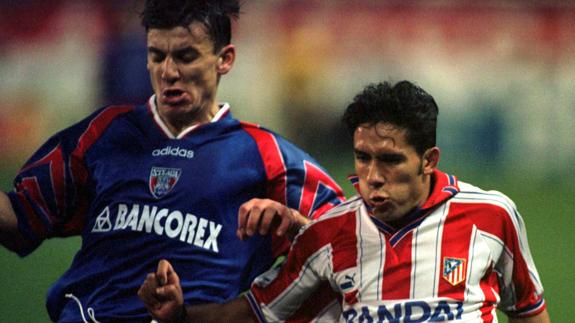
{"type": "Point", "coordinates": [429, 183]}
{"type": "Point", "coordinates": [180, 125]}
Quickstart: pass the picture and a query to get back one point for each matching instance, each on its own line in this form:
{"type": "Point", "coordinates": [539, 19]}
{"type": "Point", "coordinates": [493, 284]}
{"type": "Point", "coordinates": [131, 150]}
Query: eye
{"type": "Point", "coordinates": [187, 58]}
{"type": "Point", "coordinates": [391, 159]}
{"type": "Point", "coordinates": [157, 59]}
{"type": "Point", "coordinates": [186, 55]}
{"type": "Point", "coordinates": [156, 56]}
{"type": "Point", "coordinates": [361, 157]}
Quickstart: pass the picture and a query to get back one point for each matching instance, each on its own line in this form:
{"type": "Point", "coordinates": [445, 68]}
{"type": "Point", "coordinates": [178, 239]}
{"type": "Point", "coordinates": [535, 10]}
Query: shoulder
{"type": "Point", "coordinates": [491, 211]}
{"type": "Point", "coordinates": [272, 144]}
{"type": "Point", "coordinates": [106, 115]}
{"type": "Point", "coordinates": [338, 220]}
{"type": "Point", "coordinates": [102, 117]}
{"type": "Point", "coordinates": [255, 129]}
{"type": "Point", "coordinates": [111, 111]}
{"type": "Point", "coordinates": [474, 195]}
{"type": "Point", "coordinates": [266, 140]}
{"type": "Point", "coordinates": [348, 207]}
{"type": "Point", "coordinates": [90, 126]}
{"type": "Point", "coordinates": [261, 134]}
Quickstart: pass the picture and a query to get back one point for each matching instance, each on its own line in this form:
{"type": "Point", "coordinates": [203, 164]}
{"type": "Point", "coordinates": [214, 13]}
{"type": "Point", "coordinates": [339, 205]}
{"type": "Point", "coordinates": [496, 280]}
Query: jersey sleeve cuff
{"type": "Point", "coordinates": [529, 311]}
{"type": "Point", "coordinates": [31, 241]}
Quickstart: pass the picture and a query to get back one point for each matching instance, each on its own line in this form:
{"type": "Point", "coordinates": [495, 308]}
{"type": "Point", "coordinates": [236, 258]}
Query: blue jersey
{"type": "Point", "coordinates": [137, 194]}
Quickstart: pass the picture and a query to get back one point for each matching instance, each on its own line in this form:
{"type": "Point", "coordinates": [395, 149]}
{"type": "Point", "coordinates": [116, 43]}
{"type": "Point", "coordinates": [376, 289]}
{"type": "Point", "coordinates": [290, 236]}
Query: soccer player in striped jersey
{"type": "Point", "coordinates": [416, 244]}
{"type": "Point", "coordinates": [176, 178]}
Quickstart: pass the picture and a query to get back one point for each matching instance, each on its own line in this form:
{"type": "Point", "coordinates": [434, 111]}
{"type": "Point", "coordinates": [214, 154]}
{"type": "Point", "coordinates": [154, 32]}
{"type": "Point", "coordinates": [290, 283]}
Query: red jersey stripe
{"type": "Point", "coordinates": [314, 176]}
{"type": "Point", "coordinates": [88, 138]}
{"type": "Point", "coordinates": [455, 246]}
{"type": "Point", "coordinates": [272, 160]}
{"type": "Point", "coordinates": [397, 271]}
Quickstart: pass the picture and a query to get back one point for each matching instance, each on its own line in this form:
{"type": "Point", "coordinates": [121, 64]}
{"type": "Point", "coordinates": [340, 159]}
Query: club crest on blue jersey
{"type": "Point", "coordinates": [454, 270]}
{"type": "Point", "coordinates": [162, 180]}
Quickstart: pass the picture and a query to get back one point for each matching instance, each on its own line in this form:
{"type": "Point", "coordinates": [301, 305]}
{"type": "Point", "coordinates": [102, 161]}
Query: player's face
{"type": "Point", "coordinates": [393, 178]}
{"type": "Point", "coordinates": [184, 71]}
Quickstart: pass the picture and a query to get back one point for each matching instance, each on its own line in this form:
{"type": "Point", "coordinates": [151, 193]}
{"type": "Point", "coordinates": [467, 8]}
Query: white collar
{"type": "Point", "coordinates": [224, 108]}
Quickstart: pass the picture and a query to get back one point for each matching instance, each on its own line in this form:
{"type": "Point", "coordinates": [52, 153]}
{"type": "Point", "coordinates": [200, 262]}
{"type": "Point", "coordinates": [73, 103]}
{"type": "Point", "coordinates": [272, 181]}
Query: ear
{"type": "Point", "coordinates": [430, 160]}
{"type": "Point", "coordinates": [226, 59]}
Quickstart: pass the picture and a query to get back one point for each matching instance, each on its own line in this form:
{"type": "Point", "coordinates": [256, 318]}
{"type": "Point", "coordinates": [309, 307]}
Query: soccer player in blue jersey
{"type": "Point", "coordinates": [177, 178]}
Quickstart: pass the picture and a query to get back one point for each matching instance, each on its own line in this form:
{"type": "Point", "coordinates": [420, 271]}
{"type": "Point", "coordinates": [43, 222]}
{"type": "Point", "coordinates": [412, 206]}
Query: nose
{"type": "Point", "coordinates": [375, 177]}
{"type": "Point", "coordinates": [170, 71]}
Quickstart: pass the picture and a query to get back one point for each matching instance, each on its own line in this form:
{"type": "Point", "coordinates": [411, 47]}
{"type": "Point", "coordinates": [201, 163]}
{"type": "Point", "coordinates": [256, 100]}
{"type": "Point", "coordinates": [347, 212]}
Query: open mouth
{"type": "Point", "coordinates": [173, 96]}
{"type": "Point", "coordinates": [379, 202]}
{"type": "Point", "coordinates": [172, 93]}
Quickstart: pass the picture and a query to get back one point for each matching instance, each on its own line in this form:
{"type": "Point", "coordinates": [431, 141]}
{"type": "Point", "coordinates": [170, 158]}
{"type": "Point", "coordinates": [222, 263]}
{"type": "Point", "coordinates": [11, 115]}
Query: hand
{"type": "Point", "coordinates": [261, 215]}
{"type": "Point", "coordinates": [162, 294]}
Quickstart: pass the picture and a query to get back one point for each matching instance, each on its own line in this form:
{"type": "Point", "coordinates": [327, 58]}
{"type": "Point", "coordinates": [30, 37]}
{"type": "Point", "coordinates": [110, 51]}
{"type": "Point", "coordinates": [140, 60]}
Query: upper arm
{"type": "Point", "coordinates": [41, 198]}
{"type": "Point", "coordinates": [293, 177]}
{"type": "Point", "coordinates": [524, 292]}
{"type": "Point", "coordinates": [310, 189]}
{"type": "Point", "coordinates": [51, 192]}
{"type": "Point", "coordinates": [520, 286]}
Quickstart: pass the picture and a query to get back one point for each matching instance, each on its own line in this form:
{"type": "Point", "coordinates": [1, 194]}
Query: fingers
{"type": "Point", "coordinates": [261, 215]}
{"type": "Point", "coordinates": [164, 268]}
{"type": "Point", "coordinates": [147, 292]}
{"type": "Point", "coordinates": [161, 292]}
{"type": "Point", "coordinates": [168, 292]}
{"type": "Point", "coordinates": [287, 220]}
{"type": "Point", "coordinates": [268, 216]}
{"type": "Point", "coordinates": [160, 285]}
{"type": "Point", "coordinates": [168, 272]}
{"type": "Point", "coordinates": [249, 216]}
{"type": "Point", "coordinates": [243, 214]}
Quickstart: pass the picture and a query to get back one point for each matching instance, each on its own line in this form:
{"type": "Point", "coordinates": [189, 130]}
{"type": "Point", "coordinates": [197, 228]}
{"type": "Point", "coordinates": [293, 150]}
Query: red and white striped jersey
{"type": "Point", "coordinates": [463, 254]}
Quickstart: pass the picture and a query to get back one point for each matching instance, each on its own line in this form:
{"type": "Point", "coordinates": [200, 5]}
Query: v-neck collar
{"type": "Point", "coordinates": [224, 109]}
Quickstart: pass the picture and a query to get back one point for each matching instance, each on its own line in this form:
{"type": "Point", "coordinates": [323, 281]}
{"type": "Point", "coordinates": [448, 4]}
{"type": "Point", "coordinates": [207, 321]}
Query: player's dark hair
{"type": "Point", "coordinates": [404, 105]}
{"type": "Point", "coordinates": [216, 15]}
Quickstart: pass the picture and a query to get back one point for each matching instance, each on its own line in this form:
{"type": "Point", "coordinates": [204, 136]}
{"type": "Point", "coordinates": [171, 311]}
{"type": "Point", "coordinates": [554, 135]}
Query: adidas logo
{"type": "Point", "coordinates": [174, 151]}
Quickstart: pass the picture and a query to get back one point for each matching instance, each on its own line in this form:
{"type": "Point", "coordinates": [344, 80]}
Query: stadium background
{"type": "Point", "coordinates": [502, 72]}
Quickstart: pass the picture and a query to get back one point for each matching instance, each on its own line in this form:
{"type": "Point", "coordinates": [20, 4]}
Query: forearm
{"type": "Point", "coordinates": [237, 310]}
{"type": "Point", "coordinates": [10, 237]}
{"type": "Point", "coordinates": [542, 317]}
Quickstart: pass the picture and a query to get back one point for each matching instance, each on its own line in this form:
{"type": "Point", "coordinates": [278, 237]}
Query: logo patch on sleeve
{"type": "Point", "coordinates": [454, 270]}
{"type": "Point", "coordinates": [162, 180]}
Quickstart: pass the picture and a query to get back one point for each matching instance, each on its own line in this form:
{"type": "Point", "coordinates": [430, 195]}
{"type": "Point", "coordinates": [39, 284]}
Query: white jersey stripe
{"type": "Point", "coordinates": [426, 254]}
{"type": "Point", "coordinates": [302, 286]}
{"type": "Point", "coordinates": [478, 253]}
{"type": "Point", "coordinates": [371, 256]}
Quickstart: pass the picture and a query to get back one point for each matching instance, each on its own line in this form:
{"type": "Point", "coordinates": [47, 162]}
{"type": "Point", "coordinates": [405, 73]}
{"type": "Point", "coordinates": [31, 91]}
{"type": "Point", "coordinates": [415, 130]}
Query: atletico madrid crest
{"type": "Point", "coordinates": [454, 270]}
{"type": "Point", "coordinates": [162, 180]}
